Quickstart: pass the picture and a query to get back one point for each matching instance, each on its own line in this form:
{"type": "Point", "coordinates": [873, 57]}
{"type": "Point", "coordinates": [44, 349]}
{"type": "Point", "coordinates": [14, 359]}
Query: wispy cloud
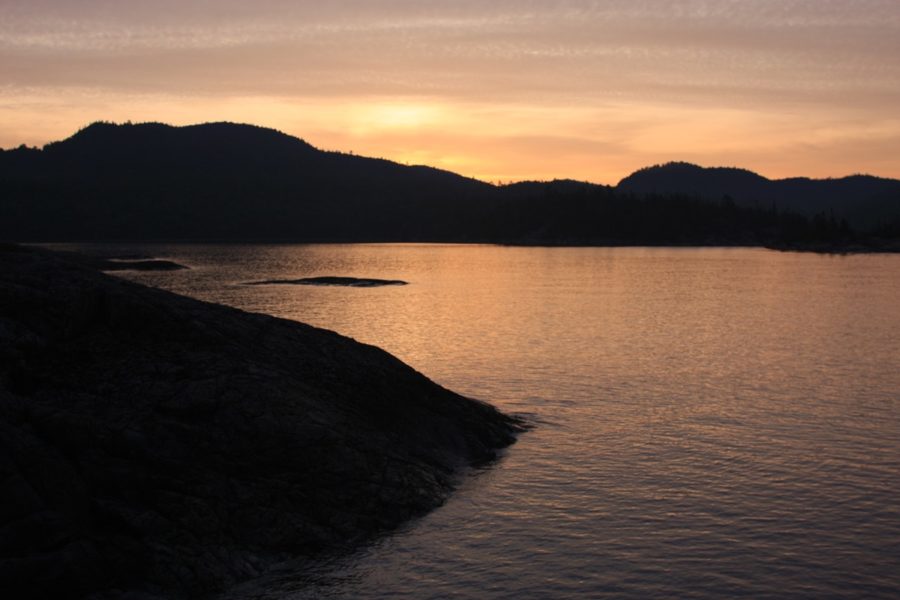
{"type": "Point", "coordinates": [833, 62]}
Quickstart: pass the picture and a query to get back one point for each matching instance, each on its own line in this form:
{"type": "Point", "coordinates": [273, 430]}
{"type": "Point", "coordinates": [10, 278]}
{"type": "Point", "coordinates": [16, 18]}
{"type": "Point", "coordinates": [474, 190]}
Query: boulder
{"type": "Point", "coordinates": [157, 445]}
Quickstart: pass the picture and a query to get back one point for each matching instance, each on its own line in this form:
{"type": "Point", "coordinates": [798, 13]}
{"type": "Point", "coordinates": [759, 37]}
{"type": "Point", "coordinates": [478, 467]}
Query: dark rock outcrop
{"type": "Point", "coordinates": [154, 444]}
{"type": "Point", "coordinates": [331, 280]}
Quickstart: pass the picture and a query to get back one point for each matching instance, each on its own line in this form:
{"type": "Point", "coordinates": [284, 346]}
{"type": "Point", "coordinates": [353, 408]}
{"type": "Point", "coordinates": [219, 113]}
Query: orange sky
{"type": "Point", "coordinates": [505, 90]}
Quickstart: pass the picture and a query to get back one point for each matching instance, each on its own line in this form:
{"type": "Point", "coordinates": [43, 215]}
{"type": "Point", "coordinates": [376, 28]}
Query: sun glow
{"type": "Point", "coordinates": [496, 141]}
{"type": "Point", "coordinates": [395, 116]}
{"type": "Point", "coordinates": [487, 90]}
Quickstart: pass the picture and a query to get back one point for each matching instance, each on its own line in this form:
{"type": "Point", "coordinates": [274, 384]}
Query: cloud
{"type": "Point", "coordinates": [589, 48]}
{"type": "Point", "coordinates": [645, 62]}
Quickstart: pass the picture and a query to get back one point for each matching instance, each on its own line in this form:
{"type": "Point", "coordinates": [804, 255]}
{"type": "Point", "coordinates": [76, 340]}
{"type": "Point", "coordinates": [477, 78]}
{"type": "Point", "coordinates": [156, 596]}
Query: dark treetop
{"type": "Point", "coordinates": [864, 201]}
{"type": "Point", "coordinates": [154, 443]}
{"type": "Point", "coordinates": [228, 182]}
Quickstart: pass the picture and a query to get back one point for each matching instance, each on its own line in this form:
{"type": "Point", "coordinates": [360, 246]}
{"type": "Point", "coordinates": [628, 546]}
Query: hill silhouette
{"type": "Point", "coordinates": [865, 201]}
{"type": "Point", "coordinates": [216, 181]}
{"type": "Point", "coordinates": [233, 182]}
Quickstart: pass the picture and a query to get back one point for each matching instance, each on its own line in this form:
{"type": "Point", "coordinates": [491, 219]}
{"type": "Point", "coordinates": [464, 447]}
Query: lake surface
{"type": "Point", "coordinates": [711, 423]}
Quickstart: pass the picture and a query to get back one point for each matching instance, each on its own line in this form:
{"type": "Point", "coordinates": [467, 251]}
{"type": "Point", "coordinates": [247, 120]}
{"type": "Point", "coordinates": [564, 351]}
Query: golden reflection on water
{"type": "Point", "coordinates": [711, 422]}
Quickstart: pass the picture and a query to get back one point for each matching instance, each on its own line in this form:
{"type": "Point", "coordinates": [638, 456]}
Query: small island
{"type": "Point", "coordinates": [331, 280]}
{"type": "Point", "coordinates": [148, 264]}
{"type": "Point", "coordinates": [160, 446]}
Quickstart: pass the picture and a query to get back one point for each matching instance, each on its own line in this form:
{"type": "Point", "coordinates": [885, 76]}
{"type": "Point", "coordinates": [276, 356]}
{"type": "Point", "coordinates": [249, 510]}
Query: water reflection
{"type": "Point", "coordinates": [715, 422]}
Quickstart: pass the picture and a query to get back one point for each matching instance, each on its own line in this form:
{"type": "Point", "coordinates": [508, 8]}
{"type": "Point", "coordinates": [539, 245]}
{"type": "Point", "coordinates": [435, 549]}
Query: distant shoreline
{"type": "Point", "coordinates": [227, 183]}
{"type": "Point", "coordinates": [878, 247]}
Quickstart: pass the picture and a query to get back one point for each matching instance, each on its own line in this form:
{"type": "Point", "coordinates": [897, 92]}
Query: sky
{"type": "Point", "coordinates": [503, 90]}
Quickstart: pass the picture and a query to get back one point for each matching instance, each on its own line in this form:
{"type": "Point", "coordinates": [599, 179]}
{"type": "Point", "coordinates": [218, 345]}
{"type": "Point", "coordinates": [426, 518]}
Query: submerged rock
{"type": "Point", "coordinates": [149, 264]}
{"type": "Point", "coordinates": [155, 444]}
{"type": "Point", "coordinates": [331, 280]}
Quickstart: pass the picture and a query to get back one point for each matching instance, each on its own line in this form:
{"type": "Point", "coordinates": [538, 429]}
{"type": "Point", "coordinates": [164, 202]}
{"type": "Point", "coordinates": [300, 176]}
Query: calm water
{"type": "Point", "coordinates": [712, 422]}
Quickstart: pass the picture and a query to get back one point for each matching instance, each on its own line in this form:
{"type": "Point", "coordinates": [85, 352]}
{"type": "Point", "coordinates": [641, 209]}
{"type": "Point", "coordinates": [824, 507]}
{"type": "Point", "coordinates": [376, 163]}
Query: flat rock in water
{"type": "Point", "coordinates": [331, 280]}
{"type": "Point", "coordinates": [152, 444]}
{"type": "Point", "coordinates": [153, 264]}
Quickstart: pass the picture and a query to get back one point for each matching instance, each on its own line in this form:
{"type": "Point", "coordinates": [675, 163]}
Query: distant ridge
{"type": "Point", "coordinates": [235, 182]}
{"type": "Point", "coordinates": [218, 181]}
{"type": "Point", "coordinates": [864, 200]}
{"type": "Point", "coordinates": [211, 144]}
{"type": "Point", "coordinates": [217, 146]}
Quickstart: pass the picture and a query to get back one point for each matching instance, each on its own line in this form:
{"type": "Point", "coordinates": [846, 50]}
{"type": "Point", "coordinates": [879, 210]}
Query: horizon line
{"type": "Point", "coordinates": [498, 183]}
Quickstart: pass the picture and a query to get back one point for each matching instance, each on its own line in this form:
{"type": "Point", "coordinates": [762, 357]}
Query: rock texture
{"type": "Point", "coordinates": [154, 445]}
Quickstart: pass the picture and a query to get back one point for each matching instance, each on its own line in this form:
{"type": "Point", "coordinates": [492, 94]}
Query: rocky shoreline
{"type": "Point", "coordinates": [153, 445]}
